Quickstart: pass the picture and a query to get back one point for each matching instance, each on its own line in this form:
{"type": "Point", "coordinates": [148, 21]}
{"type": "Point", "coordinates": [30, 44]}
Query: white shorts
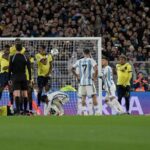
{"type": "Point", "coordinates": [88, 90]}
{"type": "Point", "coordinates": [111, 91]}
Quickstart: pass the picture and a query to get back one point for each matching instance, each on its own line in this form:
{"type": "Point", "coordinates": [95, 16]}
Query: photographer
{"type": "Point", "coordinates": [140, 84]}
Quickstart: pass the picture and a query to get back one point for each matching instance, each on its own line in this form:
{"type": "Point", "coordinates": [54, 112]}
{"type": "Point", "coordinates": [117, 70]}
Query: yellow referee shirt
{"type": "Point", "coordinates": [13, 50]}
{"type": "Point", "coordinates": [124, 73]}
{"type": "Point", "coordinates": [43, 69]}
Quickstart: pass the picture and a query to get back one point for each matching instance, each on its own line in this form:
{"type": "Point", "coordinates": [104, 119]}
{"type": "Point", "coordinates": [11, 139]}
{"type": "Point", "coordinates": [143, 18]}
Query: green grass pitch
{"type": "Point", "coordinates": [75, 133]}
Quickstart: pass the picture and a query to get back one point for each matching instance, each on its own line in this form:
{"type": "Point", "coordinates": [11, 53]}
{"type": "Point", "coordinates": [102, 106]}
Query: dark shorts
{"type": "Point", "coordinates": [20, 83]}
{"type": "Point", "coordinates": [42, 81]}
{"type": "Point", "coordinates": [123, 91]}
{"type": "Point", "coordinates": [4, 79]}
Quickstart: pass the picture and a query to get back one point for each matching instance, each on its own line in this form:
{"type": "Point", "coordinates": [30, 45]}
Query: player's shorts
{"type": "Point", "coordinates": [4, 79]}
{"type": "Point", "coordinates": [20, 83]}
{"type": "Point", "coordinates": [123, 91]}
{"type": "Point", "coordinates": [43, 81]}
{"type": "Point", "coordinates": [88, 90]}
{"type": "Point", "coordinates": [111, 91]}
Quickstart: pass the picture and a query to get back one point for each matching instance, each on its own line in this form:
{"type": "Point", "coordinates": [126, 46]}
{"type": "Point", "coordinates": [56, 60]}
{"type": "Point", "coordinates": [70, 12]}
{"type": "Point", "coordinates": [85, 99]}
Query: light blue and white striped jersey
{"type": "Point", "coordinates": [108, 77]}
{"type": "Point", "coordinates": [85, 67]}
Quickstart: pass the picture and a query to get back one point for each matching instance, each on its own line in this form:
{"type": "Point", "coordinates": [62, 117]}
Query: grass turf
{"type": "Point", "coordinates": [75, 133]}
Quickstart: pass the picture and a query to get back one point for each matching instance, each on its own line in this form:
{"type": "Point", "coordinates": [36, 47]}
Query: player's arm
{"type": "Point", "coordinates": [95, 72]}
{"type": "Point", "coordinates": [73, 70]}
{"type": "Point", "coordinates": [29, 68]}
{"type": "Point", "coordinates": [10, 68]}
{"type": "Point", "coordinates": [129, 73]}
{"type": "Point", "coordinates": [50, 59]}
{"type": "Point", "coordinates": [95, 67]}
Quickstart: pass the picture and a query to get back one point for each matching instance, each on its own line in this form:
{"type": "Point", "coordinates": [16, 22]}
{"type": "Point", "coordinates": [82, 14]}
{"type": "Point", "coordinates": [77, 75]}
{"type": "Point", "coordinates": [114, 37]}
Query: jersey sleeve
{"type": "Point", "coordinates": [50, 59]}
{"type": "Point", "coordinates": [93, 62]}
{"type": "Point", "coordinates": [129, 68]}
{"type": "Point", "coordinates": [38, 57]}
{"type": "Point", "coordinates": [76, 64]}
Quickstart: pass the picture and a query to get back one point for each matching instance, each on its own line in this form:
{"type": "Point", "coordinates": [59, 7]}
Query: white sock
{"type": "Point", "coordinates": [119, 107]}
{"type": "Point", "coordinates": [96, 110]}
{"type": "Point", "coordinates": [79, 108]}
{"type": "Point", "coordinates": [90, 108]}
{"type": "Point", "coordinates": [84, 111]}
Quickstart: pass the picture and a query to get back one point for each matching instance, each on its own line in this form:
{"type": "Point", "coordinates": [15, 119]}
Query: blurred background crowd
{"type": "Point", "coordinates": [124, 25]}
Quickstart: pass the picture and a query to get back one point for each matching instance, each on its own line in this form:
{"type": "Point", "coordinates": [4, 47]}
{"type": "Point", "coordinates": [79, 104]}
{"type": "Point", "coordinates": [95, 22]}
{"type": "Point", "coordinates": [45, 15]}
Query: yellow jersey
{"type": "Point", "coordinates": [43, 69]}
{"type": "Point", "coordinates": [13, 50]}
{"type": "Point", "coordinates": [27, 73]}
{"type": "Point", "coordinates": [4, 63]}
{"type": "Point", "coordinates": [124, 74]}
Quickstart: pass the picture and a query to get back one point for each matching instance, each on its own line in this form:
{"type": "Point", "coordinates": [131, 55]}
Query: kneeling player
{"type": "Point", "coordinates": [110, 87]}
{"type": "Point", "coordinates": [54, 102]}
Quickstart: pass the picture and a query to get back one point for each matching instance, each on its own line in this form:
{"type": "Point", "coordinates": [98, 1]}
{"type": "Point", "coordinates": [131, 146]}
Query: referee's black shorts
{"type": "Point", "coordinates": [20, 82]}
{"type": "Point", "coordinates": [123, 91]}
{"type": "Point", "coordinates": [43, 81]}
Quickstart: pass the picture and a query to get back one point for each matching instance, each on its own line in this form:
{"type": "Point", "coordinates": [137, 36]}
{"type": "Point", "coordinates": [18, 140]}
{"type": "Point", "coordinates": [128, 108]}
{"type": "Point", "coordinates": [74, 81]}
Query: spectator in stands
{"type": "Point", "coordinates": [140, 84]}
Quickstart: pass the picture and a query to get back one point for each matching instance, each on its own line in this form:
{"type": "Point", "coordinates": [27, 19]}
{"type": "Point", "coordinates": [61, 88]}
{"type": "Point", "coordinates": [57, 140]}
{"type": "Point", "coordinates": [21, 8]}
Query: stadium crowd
{"type": "Point", "coordinates": [123, 24]}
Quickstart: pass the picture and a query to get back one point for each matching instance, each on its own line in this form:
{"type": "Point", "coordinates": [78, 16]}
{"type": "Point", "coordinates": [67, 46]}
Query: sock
{"type": "Point", "coordinates": [39, 98]}
{"type": "Point", "coordinates": [96, 110]}
{"type": "Point", "coordinates": [90, 108]}
{"type": "Point", "coordinates": [30, 101]}
{"type": "Point", "coordinates": [17, 101]}
{"type": "Point", "coordinates": [25, 103]}
{"type": "Point", "coordinates": [79, 107]}
{"type": "Point", "coordinates": [21, 105]}
{"type": "Point", "coordinates": [127, 103]}
{"type": "Point", "coordinates": [84, 111]}
{"type": "Point", "coordinates": [11, 98]}
{"type": "Point", "coordinates": [30, 105]}
{"type": "Point", "coordinates": [0, 95]}
{"type": "Point", "coordinates": [118, 106]}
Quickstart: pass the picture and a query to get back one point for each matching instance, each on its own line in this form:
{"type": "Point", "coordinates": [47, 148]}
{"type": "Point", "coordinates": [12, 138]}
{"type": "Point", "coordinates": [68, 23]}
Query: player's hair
{"type": "Point", "coordinates": [123, 56]}
{"type": "Point", "coordinates": [86, 51]}
{"type": "Point", "coordinates": [43, 46]}
{"type": "Point", "coordinates": [106, 58]}
{"type": "Point", "coordinates": [18, 47]}
{"type": "Point", "coordinates": [7, 46]}
{"type": "Point", "coordinates": [17, 40]}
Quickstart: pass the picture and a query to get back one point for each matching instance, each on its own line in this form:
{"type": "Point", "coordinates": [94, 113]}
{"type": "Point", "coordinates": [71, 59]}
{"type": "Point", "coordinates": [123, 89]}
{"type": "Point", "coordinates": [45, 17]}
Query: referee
{"type": "Point", "coordinates": [17, 68]}
{"type": "Point", "coordinates": [124, 75]}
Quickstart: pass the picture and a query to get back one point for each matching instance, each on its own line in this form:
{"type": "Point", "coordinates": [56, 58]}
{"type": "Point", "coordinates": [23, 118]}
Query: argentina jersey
{"type": "Point", "coordinates": [108, 77]}
{"type": "Point", "coordinates": [85, 66]}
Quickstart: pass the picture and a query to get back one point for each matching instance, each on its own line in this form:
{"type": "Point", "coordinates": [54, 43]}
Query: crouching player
{"type": "Point", "coordinates": [54, 101]}
{"type": "Point", "coordinates": [110, 87]}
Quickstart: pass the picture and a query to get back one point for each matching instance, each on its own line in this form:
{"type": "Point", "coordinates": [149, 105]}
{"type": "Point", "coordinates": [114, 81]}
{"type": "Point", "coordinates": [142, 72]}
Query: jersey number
{"type": "Point", "coordinates": [84, 68]}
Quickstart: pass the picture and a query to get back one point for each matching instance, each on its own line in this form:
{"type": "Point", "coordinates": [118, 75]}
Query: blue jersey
{"type": "Point", "coordinates": [85, 68]}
